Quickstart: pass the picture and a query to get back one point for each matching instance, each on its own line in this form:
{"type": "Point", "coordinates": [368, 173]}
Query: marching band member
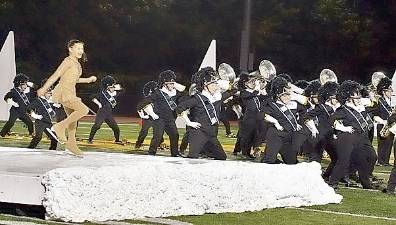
{"type": "Point", "coordinates": [105, 99]}
{"type": "Point", "coordinates": [18, 99]}
{"type": "Point", "coordinates": [164, 102]}
{"type": "Point", "coordinates": [381, 115]}
{"type": "Point", "coordinates": [284, 133]}
{"type": "Point", "coordinates": [322, 112]}
{"type": "Point", "coordinates": [251, 107]}
{"type": "Point", "coordinates": [311, 124]}
{"type": "Point", "coordinates": [352, 143]}
{"type": "Point", "coordinates": [204, 108]}
{"type": "Point", "coordinates": [147, 121]}
{"type": "Point", "coordinates": [41, 110]}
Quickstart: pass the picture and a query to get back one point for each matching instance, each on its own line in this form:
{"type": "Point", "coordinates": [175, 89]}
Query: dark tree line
{"type": "Point", "coordinates": [136, 39]}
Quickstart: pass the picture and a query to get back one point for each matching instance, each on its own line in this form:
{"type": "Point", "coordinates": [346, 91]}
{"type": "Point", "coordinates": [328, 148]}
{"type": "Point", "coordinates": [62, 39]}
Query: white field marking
{"type": "Point", "coordinates": [7, 222]}
{"type": "Point", "coordinates": [346, 214]}
{"type": "Point", "coordinates": [32, 219]}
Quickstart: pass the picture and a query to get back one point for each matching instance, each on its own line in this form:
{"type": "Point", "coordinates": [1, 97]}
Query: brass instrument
{"type": "Point", "coordinates": [384, 132]}
{"type": "Point", "coordinates": [327, 75]}
{"type": "Point", "coordinates": [267, 70]}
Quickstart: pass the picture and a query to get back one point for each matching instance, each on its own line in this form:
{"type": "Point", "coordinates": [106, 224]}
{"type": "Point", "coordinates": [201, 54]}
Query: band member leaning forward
{"type": "Point", "coordinates": [68, 74]}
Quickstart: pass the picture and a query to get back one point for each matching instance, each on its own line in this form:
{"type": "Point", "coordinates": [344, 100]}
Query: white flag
{"type": "Point", "coordinates": [210, 56]}
{"type": "Point", "coordinates": [8, 72]}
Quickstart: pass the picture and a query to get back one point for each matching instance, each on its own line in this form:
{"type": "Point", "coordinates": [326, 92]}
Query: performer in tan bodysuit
{"type": "Point", "coordinates": [68, 74]}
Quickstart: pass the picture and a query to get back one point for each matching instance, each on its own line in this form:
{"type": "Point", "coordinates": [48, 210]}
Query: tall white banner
{"type": "Point", "coordinates": [7, 72]}
{"type": "Point", "coordinates": [210, 56]}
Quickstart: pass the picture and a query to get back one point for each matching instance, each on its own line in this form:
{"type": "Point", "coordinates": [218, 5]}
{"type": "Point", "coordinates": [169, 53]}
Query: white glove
{"type": "Point", "coordinates": [30, 84]}
{"type": "Point", "coordinates": [179, 87]}
{"type": "Point", "coordinates": [12, 103]}
{"type": "Point", "coordinates": [117, 87]}
{"type": "Point", "coordinates": [223, 85]}
{"type": "Point", "coordinates": [238, 110]}
{"type": "Point", "coordinates": [27, 90]}
{"type": "Point", "coordinates": [366, 102]}
{"type": "Point", "coordinates": [299, 98]}
{"type": "Point", "coordinates": [339, 126]}
{"type": "Point", "coordinates": [189, 123]}
{"type": "Point", "coordinates": [150, 111]}
{"type": "Point", "coordinates": [311, 126]}
{"type": "Point", "coordinates": [57, 105]}
{"type": "Point", "coordinates": [97, 102]}
{"type": "Point", "coordinates": [296, 89]}
{"type": "Point", "coordinates": [278, 126]}
{"type": "Point", "coordinates": [299, 127]}
{"type": "Point", "coordinates": [194, 125]}
{"type": "Point", "coordinates": [274, 121]}
{"type": "Point", "coordinates": [36, 116]}
{"type": "Point", "coordinates": [142, 115]}
{"type": "Point", "coordinates": [380, 120]}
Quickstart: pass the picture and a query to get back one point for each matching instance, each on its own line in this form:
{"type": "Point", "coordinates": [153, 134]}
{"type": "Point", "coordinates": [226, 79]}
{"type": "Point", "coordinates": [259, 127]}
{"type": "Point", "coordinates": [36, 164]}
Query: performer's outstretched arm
{"type": "Point", "coordinates": [54, 77]}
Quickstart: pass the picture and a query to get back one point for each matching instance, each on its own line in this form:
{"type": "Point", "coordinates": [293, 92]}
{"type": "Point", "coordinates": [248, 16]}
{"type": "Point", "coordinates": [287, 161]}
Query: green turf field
{"type": "Point", "coordinates": [358, 206]}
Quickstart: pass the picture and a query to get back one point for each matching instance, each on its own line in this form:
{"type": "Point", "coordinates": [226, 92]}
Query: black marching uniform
{"type": "Point", "coordinates": [20, 112]}
{"type": "Point", "coordinates": [288, 141]}
{"type": "Point", "coordinates": [164, 107]}
{"type": "Point", "coordinates": [105, 114]}
{"type": "Point", "coordinates": [384, 111]}
{"type": "Point", "coordinates": [355, 147]}
{"type": "Point", "coordinates": [42, 107]}
{"type": "Point", "coordinates": [248, 129]}
{"type": "Point", "coordinates": [206, 113]}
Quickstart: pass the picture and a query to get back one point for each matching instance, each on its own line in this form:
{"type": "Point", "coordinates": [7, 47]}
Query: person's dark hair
{"type": "Point", "coordinates": [72, 42]}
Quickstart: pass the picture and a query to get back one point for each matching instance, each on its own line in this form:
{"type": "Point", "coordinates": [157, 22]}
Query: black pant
{"type": "Point", "coordinates": [146, 124]}
{"type": "Point", "coordinates": [355, 148]}
{"type": "Point", "coordinates": [105, 115]}
{"type": "Point", "coordinates": [392, 180]}
{"type": "Point", "coordinates": [14, 115]}
{"type": "Point", "coordinates": [159, 126]}
{"type": "Point", "coordinates": [39, 128]}
{"type": "Point", "coordinates": [207, 143]}
{"type": "Point", "coordinates": [262, 128]}
{"type": "Point", "coordinates": [320, 143]}
{"type": "Point", "coordinates": [185, 140]}
{"type": "Point", "coordinates": [247, 133]}
{"type": "Point", "coordinates": [283, 142]}
{"type": "Point", "coordinates": [392, 177]}
{"type": "Point", "coordinates": [385, 145]}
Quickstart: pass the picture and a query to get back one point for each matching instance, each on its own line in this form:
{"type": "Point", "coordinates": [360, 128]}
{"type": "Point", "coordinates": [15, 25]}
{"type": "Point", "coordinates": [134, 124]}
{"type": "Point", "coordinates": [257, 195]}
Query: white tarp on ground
{"type": "Point", "coordinates": [7, 72]}
{"type": "Point", "coordinates": [147, 186]}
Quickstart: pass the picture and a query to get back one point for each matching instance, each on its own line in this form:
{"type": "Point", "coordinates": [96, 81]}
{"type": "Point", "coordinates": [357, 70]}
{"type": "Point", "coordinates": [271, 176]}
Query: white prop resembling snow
{"type": "Point", "coordinates": [146, 186]}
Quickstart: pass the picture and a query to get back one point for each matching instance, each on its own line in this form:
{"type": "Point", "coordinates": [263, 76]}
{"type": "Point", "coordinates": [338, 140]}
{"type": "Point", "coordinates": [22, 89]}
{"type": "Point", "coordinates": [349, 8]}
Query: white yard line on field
{"type": "Point", "coordinates": [347, 214]}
